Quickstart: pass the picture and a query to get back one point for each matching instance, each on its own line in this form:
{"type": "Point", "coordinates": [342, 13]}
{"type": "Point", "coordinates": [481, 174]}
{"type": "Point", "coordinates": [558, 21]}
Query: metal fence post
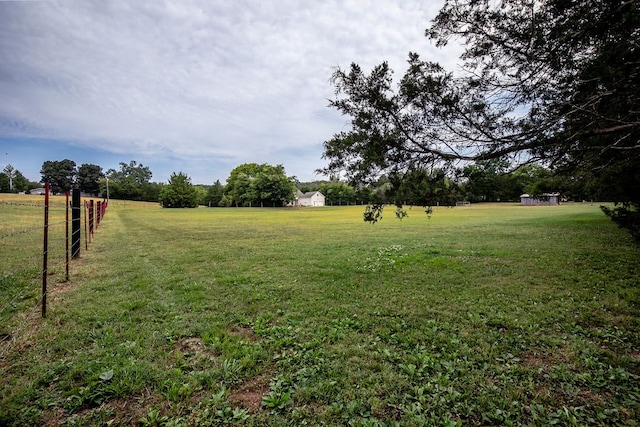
{"type": "Point", "coordinates": [86, 234]}
{"type": "Point", "coordinates": [91, 218]}
{"type": "Point", "coordinates": [75, 224]}
{"type": "Point", "coordinates": [46, 249]}
{"type": "Point", "coordinates": [66, 236]}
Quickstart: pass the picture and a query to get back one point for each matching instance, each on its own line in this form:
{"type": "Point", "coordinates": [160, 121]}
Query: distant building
{"type": "Point", "coordinates": [545, 199]}
{"type": "Point", "coordinates": [311, 198]}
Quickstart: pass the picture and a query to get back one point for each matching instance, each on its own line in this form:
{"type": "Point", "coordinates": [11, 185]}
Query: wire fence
{"type": "Point", "coordinates": [39, 238]}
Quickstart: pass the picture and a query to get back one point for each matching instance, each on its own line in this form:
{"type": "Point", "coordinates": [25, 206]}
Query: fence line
{"type": "Point", "coordinates": [60, 243]}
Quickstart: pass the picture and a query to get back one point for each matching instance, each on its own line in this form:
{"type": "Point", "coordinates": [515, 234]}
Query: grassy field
{"type": "Point", "coordinates": [481, 315]}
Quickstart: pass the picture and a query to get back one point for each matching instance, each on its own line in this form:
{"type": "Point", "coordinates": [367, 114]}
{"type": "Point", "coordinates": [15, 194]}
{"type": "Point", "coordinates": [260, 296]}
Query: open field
{"type": "Point", "coordinates": [481, 315]}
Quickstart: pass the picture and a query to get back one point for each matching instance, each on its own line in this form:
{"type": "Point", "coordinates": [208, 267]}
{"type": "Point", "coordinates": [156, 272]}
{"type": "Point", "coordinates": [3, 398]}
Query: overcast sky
{"type": "Point", "coordinates": [190, 86]}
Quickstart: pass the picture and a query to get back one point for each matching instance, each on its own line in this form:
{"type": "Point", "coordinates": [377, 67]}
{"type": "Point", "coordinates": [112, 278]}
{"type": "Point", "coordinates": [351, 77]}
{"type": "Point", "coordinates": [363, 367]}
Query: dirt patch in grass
{"type": "Point", "coordinates": [249, 394]}
{"type": "Point", "coordinates": [545, 361]}
{"type": "Point", "coordinates": [60, 288]}
{"type": "Point", "coordinates": [123, 412]}
{"type": "Point", "coordinates": [55, 417]}
{"type": "Point", "coordinates": [190, 345]}
{"type": "Point", "coordinates": [245, 333]}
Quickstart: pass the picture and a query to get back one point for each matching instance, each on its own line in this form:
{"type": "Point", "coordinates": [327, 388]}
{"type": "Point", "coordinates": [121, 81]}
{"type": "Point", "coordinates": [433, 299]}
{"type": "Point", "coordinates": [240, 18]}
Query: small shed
{"type": "Point", "coordinates": [544, 199]}
{"type": "Point", "coordinates": [310, 198]}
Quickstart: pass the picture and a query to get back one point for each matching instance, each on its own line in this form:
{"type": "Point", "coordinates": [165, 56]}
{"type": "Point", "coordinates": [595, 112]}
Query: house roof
{"type": "Point", "coordinates": [543, 194]}
{"type": "Point", "coordinates": [308, 194]}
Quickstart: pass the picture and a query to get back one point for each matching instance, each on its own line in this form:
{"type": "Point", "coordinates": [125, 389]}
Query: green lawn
{"type": "Point", "coordinates": [481, 315]}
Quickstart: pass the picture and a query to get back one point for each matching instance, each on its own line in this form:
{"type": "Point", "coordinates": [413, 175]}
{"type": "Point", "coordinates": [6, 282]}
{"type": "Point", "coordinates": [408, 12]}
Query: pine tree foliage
{"type": "Point", "coordinates": [550, 81]}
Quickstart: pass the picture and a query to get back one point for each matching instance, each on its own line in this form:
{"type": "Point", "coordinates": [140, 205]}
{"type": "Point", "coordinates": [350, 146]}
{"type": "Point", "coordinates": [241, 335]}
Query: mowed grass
{"type": "Point", "coordinates": [481, 315]}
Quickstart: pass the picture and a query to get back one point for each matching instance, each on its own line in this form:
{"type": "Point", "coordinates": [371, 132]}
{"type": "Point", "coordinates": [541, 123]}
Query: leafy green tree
{"type": "Point", "coordinates": [61, 175]}
{"type": "Point", "coordinates": [365, 194]}
{"type": "Point", "coordinates": [132, 182]}
{"type": "Point", "coordinates": [137, 173]}
{"type": "Point", "coordinates": [214, 194]}
{"type": "Point", "coordinates": [179, 192]}
{"type": "Point", "coordinates": [88, 178]}
{"type": "Point", "coordinates": [4, 183]}
{"type": "Point", "coordinates": [201, 192]}
{"type": "Point", "coordinates": [21, 183]}
{"type": "Point", "coordinates": [338, 193]}
{"type": "Point", "coordinates": [274, 188]}
{"type": "Point", "coordinates": [226, 201]}
{"type": "Point", "coordinates": [421, 187]}
{"type": "Point", "coordinates": [490, 181]}
{"type": "Point", "coordinates": [553, 81]}
{"type": "Point", "coordinates": [240, 189]}
{"type": "Point", "coordinates": [151, 190]}
{"type": "Point", "coordinates": [251, 184]}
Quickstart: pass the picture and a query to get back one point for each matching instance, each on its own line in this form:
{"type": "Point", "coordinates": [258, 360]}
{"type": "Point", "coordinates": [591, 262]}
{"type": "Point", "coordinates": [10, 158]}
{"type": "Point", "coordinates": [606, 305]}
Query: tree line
{"type": "Point", "coordinates": [263, 185]}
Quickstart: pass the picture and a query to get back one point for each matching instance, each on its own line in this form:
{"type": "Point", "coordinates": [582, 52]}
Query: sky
{"type": "Point", "coordinates": [191, 86]}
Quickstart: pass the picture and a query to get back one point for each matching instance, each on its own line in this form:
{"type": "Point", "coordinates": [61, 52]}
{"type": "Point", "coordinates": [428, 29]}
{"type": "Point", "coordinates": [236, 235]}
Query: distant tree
{"type": "Point", "coordinates": [89, 178]}
{"type": "Point", "coordinates": [151, 191]}
{"type": "Point", "coordinates": [225, 201]}
{"type": "Point", "coordinates": [201, 192]}
{"type": "Point", "coordinates": [240, 189]}
{"type": "Point", "coordinates": [61, 175]}
{"type": "Point", "coordinates": [304, 188]}
{"type": "Point", "coordinates": [214, 194]}
{"type": "Point", "coordinates": [132, 182]}
{"type": "Point", "coordinates": [253, 184]}
{"type": "Point", "coordinates": [274, 188]}
{"type": "Point", "coordinates": [4, 183]}
{"type": "Point", "coordinates": [489, 181]}
{"type": "Point", "coordinates": [179, 192]}
{"type": "Point", "coordinates": [338, 193]}
{"type": "Point", "coordinates": [137, 173]}
{"type": "Point", "coordinates": [22, 184]}
{"type": "Point", "coordinates": [365, 194]}
{"type": "Point", "coordinates": [422, 187]}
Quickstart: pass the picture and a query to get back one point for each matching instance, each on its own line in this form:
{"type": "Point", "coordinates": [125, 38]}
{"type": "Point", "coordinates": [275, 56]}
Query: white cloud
{"type": "Point", "coordinates": [233, 82]}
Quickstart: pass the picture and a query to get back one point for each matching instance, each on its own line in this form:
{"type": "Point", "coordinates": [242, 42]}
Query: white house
{"type": "Point", "coordinates": [543, 199]}
{"type": "Point", "coordinates": [311, 198]}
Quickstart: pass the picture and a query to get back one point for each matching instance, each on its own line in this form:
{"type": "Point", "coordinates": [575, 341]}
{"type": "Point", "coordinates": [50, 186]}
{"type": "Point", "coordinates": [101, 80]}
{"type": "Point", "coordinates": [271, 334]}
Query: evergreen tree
{"type": "Point", "coordinates": [179, 192]}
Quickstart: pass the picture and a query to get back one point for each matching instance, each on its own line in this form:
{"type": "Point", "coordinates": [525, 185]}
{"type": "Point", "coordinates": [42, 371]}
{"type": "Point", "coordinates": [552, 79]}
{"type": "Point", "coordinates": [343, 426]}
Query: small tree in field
{"type": "Point", "coordinates": [179, 193]}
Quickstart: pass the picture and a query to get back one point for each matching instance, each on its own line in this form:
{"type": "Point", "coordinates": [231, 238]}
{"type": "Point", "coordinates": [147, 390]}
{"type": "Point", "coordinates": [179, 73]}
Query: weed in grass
{"type": "Point", "coordinates": [154, 418]}
{"type": "Point", "coordinates": [276, 400]}
{"type": "Point", "coordinates": [384, 259]}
